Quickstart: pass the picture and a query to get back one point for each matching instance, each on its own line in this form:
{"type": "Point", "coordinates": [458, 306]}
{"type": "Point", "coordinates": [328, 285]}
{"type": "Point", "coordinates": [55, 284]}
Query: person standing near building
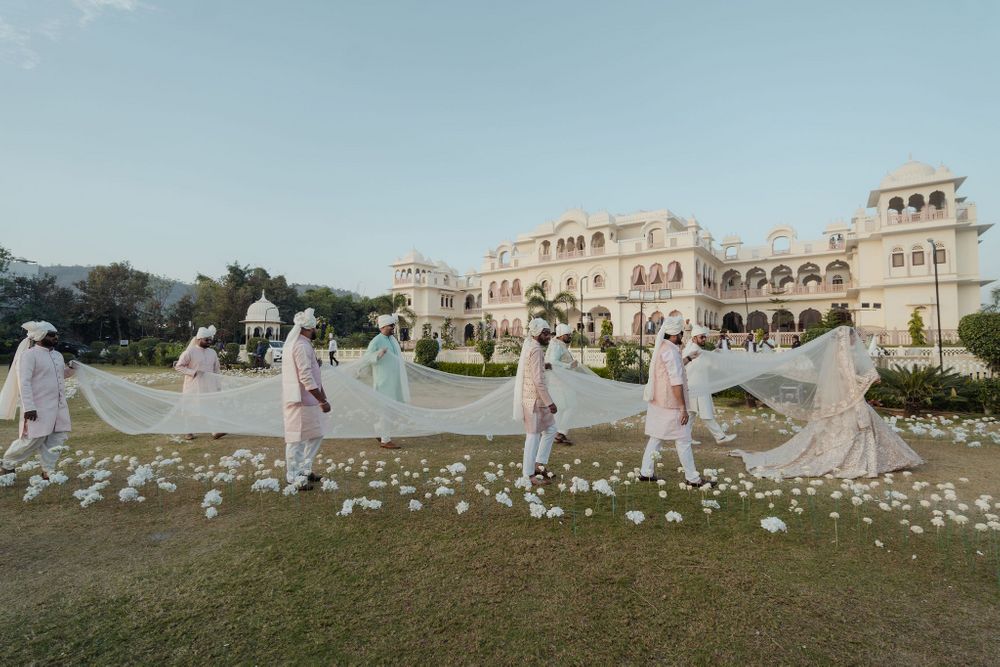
{"type": "Point", "coordinates": [558, 355]}
{"type": "Point", "coordinates": [199, 364]}
{"type": "Point", "coordinates": [303, 400]}
{"type": "Point", "coordinates": [388, 369]}
{"type": "Point", "coordinates": [534, 405]}
{"type": "Point", "coordinates": [331, 348]}
{"type": "Point", "coordinates": [667, 393]}
{"type": "Point", "coordinates": [36, 384]}
{"type": "Point", "coordinates": [703, 406]}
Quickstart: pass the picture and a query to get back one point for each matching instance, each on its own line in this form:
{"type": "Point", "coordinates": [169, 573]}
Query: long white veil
{"type": "Point", "coordinates": [788, 382]}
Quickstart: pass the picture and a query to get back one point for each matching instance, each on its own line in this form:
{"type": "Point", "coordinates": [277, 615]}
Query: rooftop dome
{"type": "Point", "coordinates": [263, 310]}
{"type": "Point", "coordinates": [911, 172]}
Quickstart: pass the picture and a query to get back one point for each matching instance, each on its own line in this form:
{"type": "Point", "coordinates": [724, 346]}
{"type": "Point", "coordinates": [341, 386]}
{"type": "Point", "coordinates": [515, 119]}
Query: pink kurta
{"type": "Point", "coordinates": [535, 398]}
{"type": "Point", "coordinates": [200, 366]}
{"type": "Point", "coordinates": [42, 377]}
{"type": "Point", "coordinates": [663, 417]}
{"type": "Point", "coordinates": [300, 373]}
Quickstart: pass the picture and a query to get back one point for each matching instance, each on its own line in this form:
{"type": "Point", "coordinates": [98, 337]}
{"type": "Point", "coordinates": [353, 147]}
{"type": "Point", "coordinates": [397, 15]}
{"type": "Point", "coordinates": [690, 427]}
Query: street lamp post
{"type": "Point", "coordinates": [642, 297]}
{"type": "Point", "coordinates": [937, 306]}
{"type": "Point", "coordinates": [583, 323]}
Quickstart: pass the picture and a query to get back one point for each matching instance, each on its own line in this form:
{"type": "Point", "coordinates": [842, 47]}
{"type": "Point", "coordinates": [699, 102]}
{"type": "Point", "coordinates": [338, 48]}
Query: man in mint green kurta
{"type": "Point", "coordinates": [388, 368]}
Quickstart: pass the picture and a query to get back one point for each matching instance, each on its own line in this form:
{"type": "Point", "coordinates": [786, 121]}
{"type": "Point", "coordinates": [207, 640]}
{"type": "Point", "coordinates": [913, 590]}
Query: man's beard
{"type": "Point", "coordinates": [205, 343]}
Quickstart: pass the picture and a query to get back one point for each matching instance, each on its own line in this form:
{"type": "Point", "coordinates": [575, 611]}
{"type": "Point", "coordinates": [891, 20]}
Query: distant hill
{"type": "Point", "coordinates": [68, 276]}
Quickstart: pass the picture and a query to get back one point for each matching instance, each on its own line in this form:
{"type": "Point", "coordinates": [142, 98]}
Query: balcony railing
{"type": "Point", "coordinates": [544, 257]}
{"type": "Point", "coordinates": [597, 250]}
{"type": "Point", "coordinates": [906, 217]}
{"type": "Point", "coordinates": [515, 298]}
{"type": "Point", "coordinates": [771, 291]}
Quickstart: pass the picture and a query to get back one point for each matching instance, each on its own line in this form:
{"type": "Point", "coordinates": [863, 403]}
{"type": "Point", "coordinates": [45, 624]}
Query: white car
{"type": "Point", "coordinates": [275, 351]}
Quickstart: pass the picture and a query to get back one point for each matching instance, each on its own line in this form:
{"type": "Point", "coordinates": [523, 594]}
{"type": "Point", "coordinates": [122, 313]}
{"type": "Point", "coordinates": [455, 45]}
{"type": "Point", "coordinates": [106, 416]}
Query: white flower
{"type": "Point", "coordinates": [130, 495]}
{"type": "Point", "coordinates": [662, 494]}
{"type": "Point", "coordinates": [635, 516]}
{"type": "Point", "coordinates": [407, 490]}
{"type": "Point", "coordinates": [211, 513]}
{"type": "Point", "coordinates": [58, 478]}
{"type": "Point", "coordinates": [377, 484]}
{"type": "Point", "coordinates": [164, 485]}
{"type": "Point", "coordinates": [456, 469]}
{"type": "Point", "coordinates": [773, 524]}
{"type": "Point", "coordinates": [714, 504]}
{"type": "Point", "coordinates": [8, 479]}
{"type": "Point", "coordinates": [290, 490]}
{"type": "Point", "coordinates": [141, 475]}
{"type": "Point", "coordinates": [462, 507]}
{"type": "Point", "coordinates": [537, 511]}
{"type": "Point", "coordinates": [444, 491]}
{"type": "Point", "coordinates": [266, 484]}
{"type": "Point", "coordinates": [674, 517]}
{"type": "Point", "coordinates": [601, 486]}
{"type": "Point", "coordinates": [330, 485]}
{"type": "Point", "coordinates": [879, 544]}
{"type": "Point", "coordinates": [916, 530]}
{"type": "Point", "coordinates": [213, 497]}
{"type": "Point", "coordinates": [588, 512]}
{"type": "Point", "coordinates": [834, 515]}
{"type": "Point", "coordinates": [504, 499]}
{"type": "Point", "coordinates": [415, 505]}
{"type": "Point", "coordinates": [554, 512]}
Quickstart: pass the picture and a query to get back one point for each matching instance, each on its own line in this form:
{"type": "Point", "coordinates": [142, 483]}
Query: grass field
{"type": "Point", "coordinates": [275, 579]}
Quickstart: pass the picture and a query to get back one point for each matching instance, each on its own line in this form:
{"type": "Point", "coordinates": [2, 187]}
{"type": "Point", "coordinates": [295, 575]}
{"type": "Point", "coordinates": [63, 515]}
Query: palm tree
{"type": "Point", "coordinates": [407, 317]}
{"type": "Point", "coordinates": [551, 310]}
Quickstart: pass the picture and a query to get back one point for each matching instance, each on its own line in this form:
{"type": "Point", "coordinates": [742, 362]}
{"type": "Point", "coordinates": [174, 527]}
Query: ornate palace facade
{"type": "Point", "coordinates": [878, 268]}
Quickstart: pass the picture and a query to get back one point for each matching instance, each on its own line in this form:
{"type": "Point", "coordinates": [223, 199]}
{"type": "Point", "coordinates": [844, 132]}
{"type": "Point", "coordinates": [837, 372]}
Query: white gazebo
{"type": "Point", "coordinates": [263, 320]}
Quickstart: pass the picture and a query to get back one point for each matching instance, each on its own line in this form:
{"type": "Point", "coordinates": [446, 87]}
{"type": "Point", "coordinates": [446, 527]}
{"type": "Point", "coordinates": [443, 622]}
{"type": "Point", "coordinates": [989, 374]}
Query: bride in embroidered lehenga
{"type": "Point", "coordinates": [844, 436]}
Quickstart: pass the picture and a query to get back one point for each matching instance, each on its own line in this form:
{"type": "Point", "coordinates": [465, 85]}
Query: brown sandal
{"type": "Point", "coordinates": [563, 440]}
{"type": "Point", "coordinates": [388, 445]}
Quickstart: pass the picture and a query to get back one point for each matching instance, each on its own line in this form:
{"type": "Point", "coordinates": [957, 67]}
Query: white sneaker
{"type": "Point", "coordinates": [696, 442]}
{"type": "Point", "coordinates": [729, 437]}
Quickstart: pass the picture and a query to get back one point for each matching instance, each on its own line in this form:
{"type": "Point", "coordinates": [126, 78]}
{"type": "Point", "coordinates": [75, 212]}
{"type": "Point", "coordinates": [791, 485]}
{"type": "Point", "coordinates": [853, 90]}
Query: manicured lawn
{"type": "Point", "coordinates": [275, 579]}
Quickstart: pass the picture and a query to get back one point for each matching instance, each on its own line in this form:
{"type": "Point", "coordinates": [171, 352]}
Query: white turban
{"type": "Point", "coordinates": [386, 320]}
{"type": "Point", "coordinates": [305, 320]}
{"type": "Point", "coordinates": [37, 330]}
{"type": "Point", "coordinates": [699, 330]}
{"type": "Point", "coordinates": [563, 329]}
{"type": "Point", "coordinates": [206, 332]}
{"type": "Point", "coordinates": [536, 326]}
{"type": "Point", "coordinates": [673, 325]}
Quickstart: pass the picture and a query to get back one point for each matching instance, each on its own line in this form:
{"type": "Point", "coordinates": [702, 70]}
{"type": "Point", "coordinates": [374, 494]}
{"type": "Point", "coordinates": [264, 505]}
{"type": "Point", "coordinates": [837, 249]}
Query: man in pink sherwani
{"type": "Point", "coordinates": [200, 365]}
{"type": "Point", "coordinates": [37, 384]}
{"type": "Point", "coordinates": [304, 400]}
{"type": "Point", "coordinates": [534, 405]}
{"type": "Point", "coordinates": [667, 393]}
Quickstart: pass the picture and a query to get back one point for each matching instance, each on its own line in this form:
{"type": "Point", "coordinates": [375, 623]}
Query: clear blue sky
{"type": "Point", "coordinates": [323, 139]}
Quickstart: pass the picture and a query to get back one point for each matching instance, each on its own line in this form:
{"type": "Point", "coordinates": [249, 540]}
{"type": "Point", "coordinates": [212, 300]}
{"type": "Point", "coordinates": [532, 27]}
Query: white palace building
{"type": "Point", "coordinates": [877, 267]}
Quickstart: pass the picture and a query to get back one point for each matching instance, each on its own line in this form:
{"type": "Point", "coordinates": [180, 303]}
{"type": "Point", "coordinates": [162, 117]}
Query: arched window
{"type": "Point", "coordinates": [940, 257]}
{"type": "Point", "coordinates": [256, 332]}
{"type": "Point", "coordinates": [638, 276]}
{"type": "Point", "coordinates": [545, 286]}
{"type": "Point", "coordinates": [516, 329]}
{"type": "Point", "coordinates": [580, 245]}
{"type": "Point", "coordinates": [597, 242]}
{"type": "Point", "coordinates": [492, 292]}
{"type": "Point", "coordinates": [808, 318]}
{"type": "Point", "coordinates": [916, 202]}
{"type": "Point", "coordinates": [656, 278]}
{"type": "Point", "coordinates": [504, 289]}
{"type": "Point", "coordinates": [937, 200]}
{"type": "Point", "coordinates": [781, 245]}
{"type": "Point", "coordinates": [571, 283]}
{"type": "Point", "coordinates": [598, 281]}
{"type": "Point", "coordinates": [897, 258]}
{"type": "Point", "coordinates": [837, 280]}
{"type": "Point", "coordinates": [560, 246]}
{"type": "Point", "coordinates": [757, 320]}
{"type": "Point", "coordinates": [504, 328]}
{"type": "Point", "coordinates": [470, 302]}
{"type": "Point", "coordinates": [732, 252]}
{"type": "Point", "coordinates": [654, 238]}
{"type": "Point", "coordinates": [917, 256]}
{"type": "Point", "coordinates": [515, 288]}
{"type": "Point", "coordinates": [546, 249]}
{"type": "Point", "coordinates": [896, 204]}
{"type": "Point", "coordinates": [674, 272]}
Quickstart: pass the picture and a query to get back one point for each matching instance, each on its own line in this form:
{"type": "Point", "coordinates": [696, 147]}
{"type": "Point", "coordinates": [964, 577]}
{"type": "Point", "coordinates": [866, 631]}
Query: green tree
{"type": "Point", "coordinates": [980, 333]}
{"type": "Point", "coordinates": [5, 258]}
{"type": "Point", "coordinates": [916, 328]}
{"type": "Point", "coordinates": [551, 310]}
{"type": "Point", "coordinates": [114, 293]}
{"type": "Point", "coordinates": [407, 316]}
{"type": "Point", "coordinates": [35, 298]}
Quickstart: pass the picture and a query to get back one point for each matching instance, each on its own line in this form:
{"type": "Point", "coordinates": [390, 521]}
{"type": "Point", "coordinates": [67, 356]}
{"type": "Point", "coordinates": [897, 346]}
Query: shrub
{"type": "Point", "coordinates": [478, 370]}
{"type": "Point", "coordinates": [620, 358]}
{"type": "Point", "coordinates": [486, 347]}
{"type": "Point", "coordinates": [987, 394]}
{"type": "Point", "coordinates": [921, 388]}
{"type": "Point", "coordinates": [97, 346]}
{"type": "Point", "coordinates": [813, 333]}
{"type": "Point", "coordinates": [607, 328]}
{"type": "Point", "coordinates": [230, 354]}
{"type": "Point", "coordinates": [980, 333]}
{"type": "Point", "coordinates": [916, 328]}
{"type": "Point", "coordinates": [355, 340]}
{"type": "Point", "coordinates": [426, 352]}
